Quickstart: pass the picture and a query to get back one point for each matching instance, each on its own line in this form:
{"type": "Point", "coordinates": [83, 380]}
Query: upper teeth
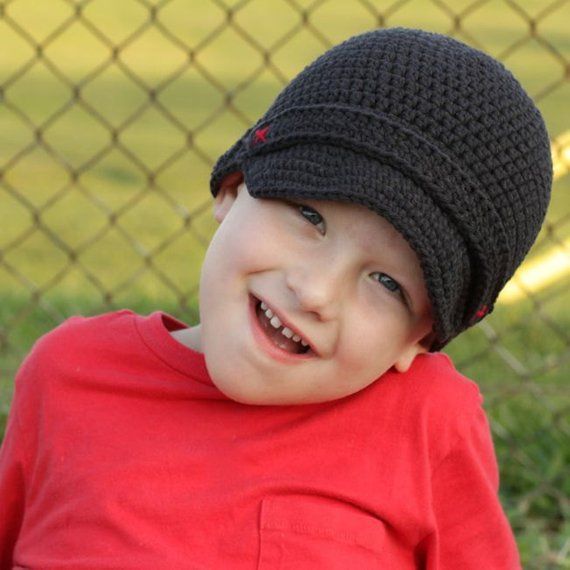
{"type": "Point", "coordinates": [276, 323]}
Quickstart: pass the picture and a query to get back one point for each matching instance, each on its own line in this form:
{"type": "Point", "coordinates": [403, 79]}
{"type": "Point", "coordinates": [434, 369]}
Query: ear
{"type": "Point", "coordinates": [407, 356]}
{"type": "Point", "coordinates": [229, 188]}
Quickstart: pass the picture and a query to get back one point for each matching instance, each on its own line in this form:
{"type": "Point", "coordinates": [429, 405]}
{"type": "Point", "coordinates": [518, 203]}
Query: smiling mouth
{"type": "Point", "coordinates": [280, 335]}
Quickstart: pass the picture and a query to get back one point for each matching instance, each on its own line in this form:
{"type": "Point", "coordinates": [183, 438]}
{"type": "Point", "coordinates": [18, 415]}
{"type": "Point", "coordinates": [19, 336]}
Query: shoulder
{"type": "Point", "coordinates": [73, 328]}
{"type": "Point", "coordinates": [74, 344]}
{"type": "Point", "coordinates": [436, 405]}
{"type": "Point", "coordinates": [66, 370]}
{"type": "Point", "coordinates": [81, 332]}
{"type": "Point", "coordinates": [434, 384]}
{"type": "Point", "coordinates": [434, 379]}
{"type": "Point", "coordinates": [452, 402]}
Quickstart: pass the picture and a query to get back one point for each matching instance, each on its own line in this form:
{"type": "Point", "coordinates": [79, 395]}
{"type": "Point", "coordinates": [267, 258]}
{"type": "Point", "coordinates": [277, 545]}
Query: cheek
{"type": "Point", "coordinates": [373, 340]}
{"type": "Point", "coordinates": [247, 246]}
{"type": "Point", "coordinates": [223, 258]}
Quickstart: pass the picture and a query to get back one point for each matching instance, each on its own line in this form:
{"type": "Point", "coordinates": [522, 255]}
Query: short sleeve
{"type": "Point", "coordinates": [20, 440]}
{"type": "Point", "coordinates": [12, 480]}
{"type": "Point", "coordinates": [472, 531]}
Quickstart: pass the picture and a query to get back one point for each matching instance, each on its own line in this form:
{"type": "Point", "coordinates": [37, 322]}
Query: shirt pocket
{"type": "Point", "coordinates": [303, 531]}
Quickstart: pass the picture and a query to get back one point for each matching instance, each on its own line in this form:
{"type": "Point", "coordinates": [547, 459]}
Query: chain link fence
{"type": "Point", "coordinates": [112, 114]}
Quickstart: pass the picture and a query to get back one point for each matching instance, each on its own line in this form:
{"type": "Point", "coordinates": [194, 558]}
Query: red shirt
{"type": "Point", "coordinates": [121, 453]}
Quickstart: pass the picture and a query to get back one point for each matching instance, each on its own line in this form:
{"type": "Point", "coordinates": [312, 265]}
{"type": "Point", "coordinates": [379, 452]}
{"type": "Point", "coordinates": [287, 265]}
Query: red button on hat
{"type": "Point", "coordinates": [482, 312]}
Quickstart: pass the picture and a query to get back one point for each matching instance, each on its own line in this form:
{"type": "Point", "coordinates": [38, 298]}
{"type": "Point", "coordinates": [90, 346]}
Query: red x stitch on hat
{"type": "Point", "coordinates": [260, 135]}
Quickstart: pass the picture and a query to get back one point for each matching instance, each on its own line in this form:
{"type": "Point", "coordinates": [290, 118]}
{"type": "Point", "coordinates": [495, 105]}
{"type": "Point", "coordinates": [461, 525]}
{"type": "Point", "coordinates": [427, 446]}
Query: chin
{"type": "Point", "coordinates": [232, 389]}
{"type": "Point", "coordinates": [242, 397]}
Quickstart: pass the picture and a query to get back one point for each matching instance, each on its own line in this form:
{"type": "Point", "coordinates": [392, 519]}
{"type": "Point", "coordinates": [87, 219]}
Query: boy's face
{"type": "Point", "coordinates": [337, 275]}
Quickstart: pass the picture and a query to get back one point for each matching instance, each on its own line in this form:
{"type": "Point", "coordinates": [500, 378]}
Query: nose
{"type": "Point", "coordinates": [318, 287]}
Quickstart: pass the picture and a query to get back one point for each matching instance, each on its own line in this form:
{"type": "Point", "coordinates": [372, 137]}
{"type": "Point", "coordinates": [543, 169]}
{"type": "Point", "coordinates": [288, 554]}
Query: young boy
{"type": "Point", "coordinates": [308, 421]}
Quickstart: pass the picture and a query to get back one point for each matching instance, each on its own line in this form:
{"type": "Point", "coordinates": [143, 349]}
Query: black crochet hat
{"type": "Point", "coordinates": [433, 135]}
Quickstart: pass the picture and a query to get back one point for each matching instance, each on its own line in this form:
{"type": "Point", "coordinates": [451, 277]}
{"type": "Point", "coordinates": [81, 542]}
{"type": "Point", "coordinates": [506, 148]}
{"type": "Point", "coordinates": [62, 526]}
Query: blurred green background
{"type": "Point", "coordinates": [112, 115]}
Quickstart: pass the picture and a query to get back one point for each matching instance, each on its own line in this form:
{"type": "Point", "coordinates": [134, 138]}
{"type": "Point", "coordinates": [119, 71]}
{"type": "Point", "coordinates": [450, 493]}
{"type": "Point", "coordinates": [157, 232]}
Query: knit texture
{"type": "Point", "coordinates": [433, 135]}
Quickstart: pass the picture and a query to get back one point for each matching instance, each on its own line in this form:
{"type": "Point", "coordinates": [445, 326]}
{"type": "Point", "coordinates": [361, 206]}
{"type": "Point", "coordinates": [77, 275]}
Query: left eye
{"type": "Point", "coordinates": [392, 285]}
{"type": "Point", "coordinates": [313, 217]}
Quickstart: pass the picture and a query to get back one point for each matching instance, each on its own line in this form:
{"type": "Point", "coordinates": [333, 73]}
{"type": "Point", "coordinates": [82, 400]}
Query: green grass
{"type": "Point", "coordinates": [118, 192]}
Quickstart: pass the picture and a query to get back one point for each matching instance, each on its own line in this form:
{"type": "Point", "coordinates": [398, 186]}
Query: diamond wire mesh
{"type": "Point", "coordinates": [112, 115]}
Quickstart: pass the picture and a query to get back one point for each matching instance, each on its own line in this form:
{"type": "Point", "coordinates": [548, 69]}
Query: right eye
{"type": "Point", "coordinates": [313, 217]}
